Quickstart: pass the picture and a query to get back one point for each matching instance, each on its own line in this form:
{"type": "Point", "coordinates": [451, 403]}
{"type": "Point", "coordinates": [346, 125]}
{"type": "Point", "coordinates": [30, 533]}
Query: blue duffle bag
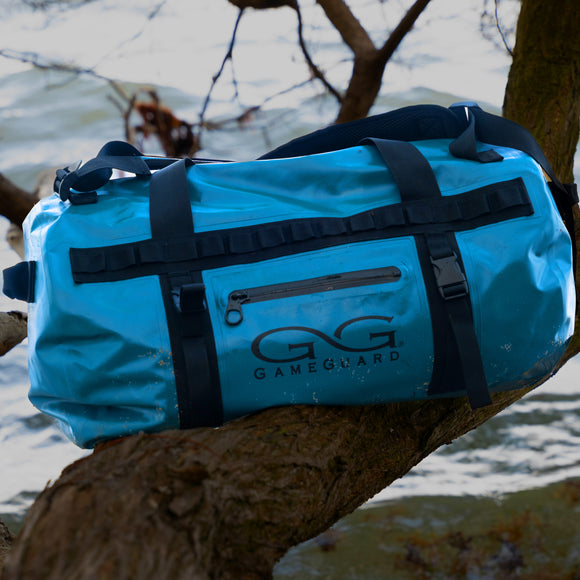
{"type": "Point", "coordinates": [422, 253]}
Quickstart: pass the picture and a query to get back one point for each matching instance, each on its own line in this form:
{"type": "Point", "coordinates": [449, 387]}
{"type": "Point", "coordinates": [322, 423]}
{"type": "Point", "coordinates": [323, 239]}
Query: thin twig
{"type": "Point", "coordinates": [228, 57]}
{"type": "Point", "coordinates": [34, 59]}
{"type": "Point", "coordinates": [316, 72]}
{"type": "Point", "coordinates": [498, 26]}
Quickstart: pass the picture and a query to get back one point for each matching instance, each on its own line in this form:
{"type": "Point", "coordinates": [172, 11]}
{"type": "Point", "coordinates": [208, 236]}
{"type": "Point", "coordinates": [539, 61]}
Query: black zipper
{"type": "Point", "coordinates": [234, 315]}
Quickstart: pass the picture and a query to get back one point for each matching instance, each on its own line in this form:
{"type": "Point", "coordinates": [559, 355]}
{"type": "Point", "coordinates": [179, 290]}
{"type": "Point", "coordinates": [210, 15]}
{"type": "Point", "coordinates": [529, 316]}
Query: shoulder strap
{"type": "Point", "coordinates": [412, 123]}
{"type": "Point", "coordinates": [466, 123]}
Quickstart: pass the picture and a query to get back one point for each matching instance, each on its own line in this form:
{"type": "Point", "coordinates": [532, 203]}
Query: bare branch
{"type": "Point", "coordinates": [13, 330]}
{"type": "Point", "coordinates": [15, 203]}
{"type": "Point", "coordinates": [402, 29]}
{"type": "Point", "coordinates": [316, 72]}
{"type": "Point", "coordinates": [228, 57]}
{"type": "Point", "coordinates": [350, 29]}
{"type": "Point", "coordinates": [262, 4]}
{"type": "Point", "coordinates": [500, 30]}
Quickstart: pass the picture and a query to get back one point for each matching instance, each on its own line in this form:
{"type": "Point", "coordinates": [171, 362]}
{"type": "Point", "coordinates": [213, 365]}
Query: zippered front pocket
{"type": "Point", "coordinates": [346, 325]}
{"type": "Point", "coordinates": [234, 315]}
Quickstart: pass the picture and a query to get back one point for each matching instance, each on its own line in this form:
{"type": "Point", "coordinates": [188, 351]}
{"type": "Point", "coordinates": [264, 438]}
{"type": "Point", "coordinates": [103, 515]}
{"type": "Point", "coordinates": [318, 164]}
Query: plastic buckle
{"type": "Point", "coordinates": [450, 279]}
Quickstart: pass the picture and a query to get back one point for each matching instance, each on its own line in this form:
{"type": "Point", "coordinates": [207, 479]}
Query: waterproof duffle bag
{"type": "Point", "coordinates": [412, 255]}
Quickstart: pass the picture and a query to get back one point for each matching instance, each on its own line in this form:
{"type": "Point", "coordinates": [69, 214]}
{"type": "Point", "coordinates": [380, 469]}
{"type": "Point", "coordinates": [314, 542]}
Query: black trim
{"type": "Point", "coordinates": [207, 250]}
{"type": "Point", "coordinates": [169, 205]}
{"type": "Point", "coordinates": [417, 182]}
{"type": "Point", "coordinates": [194, 354]}
{"type": "Point", "coordinates": [463, 369]}
{"type": "Point", "coordinates": [188, 321]}
{"type": "Point", "coordinates": [19, 281]}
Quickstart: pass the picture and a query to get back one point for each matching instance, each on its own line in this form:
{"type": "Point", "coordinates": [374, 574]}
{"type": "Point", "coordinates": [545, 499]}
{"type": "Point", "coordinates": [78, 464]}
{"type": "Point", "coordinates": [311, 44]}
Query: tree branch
{"type": "Point", "coordinates": [13, 330]}
{"type": "Point", "coordinates": [228, 57]}
{"type": "Point", "coordinates": [316, 72]}
{"type": "Point", "coordinates": [263, 4]}
{"type": "Point", "coordinates": [15, 203]}
{"type": "Point", "coordinates": [200, 504]}
{"type": "Point", "coordinates": [406, 24]}
{"type": "Point", "coordinates": [348, 26]}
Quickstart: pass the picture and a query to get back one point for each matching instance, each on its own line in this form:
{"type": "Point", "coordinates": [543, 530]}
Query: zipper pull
{"type": "Point", "coordinates": [234, 315]}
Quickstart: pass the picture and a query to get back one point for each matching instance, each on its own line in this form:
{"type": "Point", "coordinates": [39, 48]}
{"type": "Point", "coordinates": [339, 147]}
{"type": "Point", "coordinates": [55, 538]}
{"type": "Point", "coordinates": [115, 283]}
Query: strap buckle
{"type": "Point", "coordinates": [450, 278]}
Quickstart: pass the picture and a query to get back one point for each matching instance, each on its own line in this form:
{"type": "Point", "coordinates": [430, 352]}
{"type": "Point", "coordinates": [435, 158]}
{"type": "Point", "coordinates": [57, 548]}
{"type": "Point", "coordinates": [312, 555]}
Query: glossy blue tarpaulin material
{"type": "Point", "coordinates": [346, 324]}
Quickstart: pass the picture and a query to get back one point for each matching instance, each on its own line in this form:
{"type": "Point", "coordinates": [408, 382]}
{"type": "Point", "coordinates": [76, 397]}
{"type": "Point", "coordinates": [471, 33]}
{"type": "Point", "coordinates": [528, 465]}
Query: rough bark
{"type": "Point", "coordinates": [543, 89]}
{"type": "Point", "coordinates": [226, 503]}
{"type": "Point", "coordinates": [6, 540]}
{"type": "Point", "coordinates": [12, 330]}
{"type": "Point", "coordinates": [15, 203]}
{"type": "Point", "coordinates": [369, 61]}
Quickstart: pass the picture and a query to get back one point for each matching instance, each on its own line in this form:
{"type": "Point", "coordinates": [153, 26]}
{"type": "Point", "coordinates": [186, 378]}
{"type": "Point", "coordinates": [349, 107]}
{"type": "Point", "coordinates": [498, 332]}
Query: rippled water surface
{"type": "Point", "coordinates": [50, 119]}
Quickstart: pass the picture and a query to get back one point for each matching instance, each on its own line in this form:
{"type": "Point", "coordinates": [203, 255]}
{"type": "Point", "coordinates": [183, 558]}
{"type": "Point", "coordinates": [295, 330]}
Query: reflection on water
{"type": "Point", "coordinates": [532, 443]}
{"type": "Point", "coordinates": [46, 122]}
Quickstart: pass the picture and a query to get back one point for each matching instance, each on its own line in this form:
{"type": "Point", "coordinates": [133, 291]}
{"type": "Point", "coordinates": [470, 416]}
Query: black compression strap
{"type": "Point", "coordinates": [215, 249]}
{"type": "Point", "coordinates": [410, 170]}
{"type": "Point", "coordinates": [193, 352]}
{"type": "Point", "coordinates": [447, 273]}
{"type": "Point", "coordinates": [169, 206]}
{"type": "Point", "coordinates": [465, 146]}
{"type": "Point", "coordinates": [190, 329]}
{"type": "Point", "coordinates": [454, 294]}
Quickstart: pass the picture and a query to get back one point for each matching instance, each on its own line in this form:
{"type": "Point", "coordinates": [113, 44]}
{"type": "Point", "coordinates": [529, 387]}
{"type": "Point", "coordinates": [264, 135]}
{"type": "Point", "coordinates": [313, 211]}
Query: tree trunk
{"type": "Point", "coordinates": [226, 503]}
{"type": "Point", "coordinates": [543, 90]}
{"type": "Point", "coordinates": [364, 86]}
{"type": "Point", "coordinates": [15, 203]}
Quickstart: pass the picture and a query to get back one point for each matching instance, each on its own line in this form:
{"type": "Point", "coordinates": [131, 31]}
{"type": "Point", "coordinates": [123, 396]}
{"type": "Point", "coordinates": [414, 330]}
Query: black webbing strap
{"type": "Point", "coordinates": [79, 184]}
{"type": "Point", "coordinates": [19, 281]}
{"type": "Point", "coordinates": [466, 123]}
{"type": "Point", "coordinates": [465, 145]}
{"type": "Point", "coordinates": [411, 172]}
{"type": "Point", "coordinates": [454, 291]}
{"type": "Point", "coordinates": [190, 330]}
{"type": "Point", "coordinates": [483, 206]}
{"type": "Point", "coordinates": [169, 206]}
{"type": "Point", "coordinates": [446, 273]}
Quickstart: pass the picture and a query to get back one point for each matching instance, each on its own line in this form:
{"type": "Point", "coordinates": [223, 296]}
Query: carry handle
{"type": "Point", "coordinates": [86, 179]}
{"type": "Point", "coordinates": [412, 173]}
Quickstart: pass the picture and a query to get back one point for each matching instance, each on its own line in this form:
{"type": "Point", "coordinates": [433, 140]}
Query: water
{"type": "Point", "coordinates": [48, 119]}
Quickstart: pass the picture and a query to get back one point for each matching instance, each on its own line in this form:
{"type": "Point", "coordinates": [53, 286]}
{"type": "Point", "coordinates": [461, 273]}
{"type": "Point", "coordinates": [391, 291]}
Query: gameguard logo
{"type": "Point", "coordinates": [306, 350]}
